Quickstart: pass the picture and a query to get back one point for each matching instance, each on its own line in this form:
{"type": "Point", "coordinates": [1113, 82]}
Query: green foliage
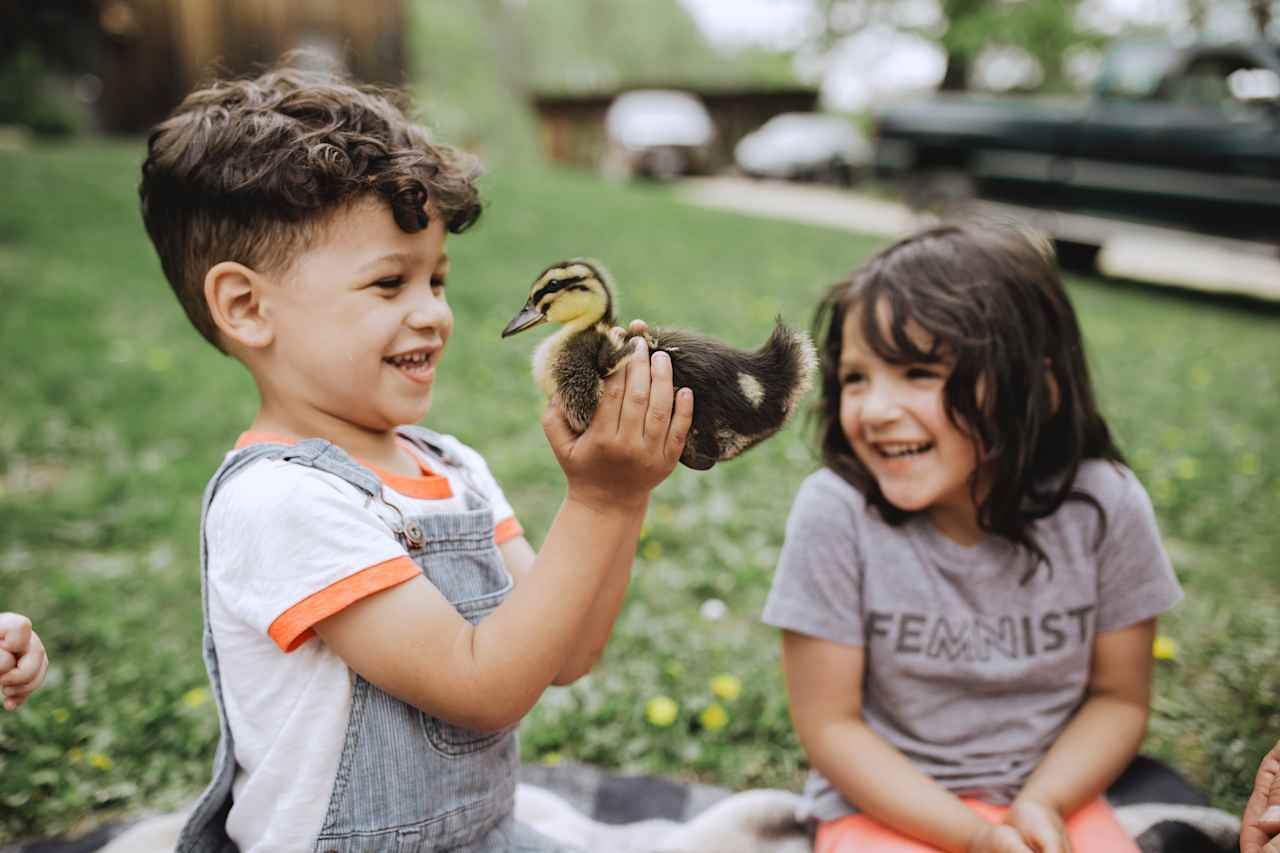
{"type": "Point", "coordinates": [116, 412]}
{"type": "Point", "coordinates": [32, 96]}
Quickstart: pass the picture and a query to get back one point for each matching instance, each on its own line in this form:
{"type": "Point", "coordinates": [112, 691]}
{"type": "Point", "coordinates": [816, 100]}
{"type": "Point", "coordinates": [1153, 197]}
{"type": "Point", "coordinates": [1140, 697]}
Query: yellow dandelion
{"type": "Point", "coordinates": [98, 761]}
{"type": "Point", "coordinates": [196, 697]}
{"type": "Point", "coordinates": [75, 755]}
{"type": "Point", "coordinates": [661, 711]}
{"type": "Point", "coordinates": [652, 549]}
{"type": "Point", "coordinates": [60, 715]}
{"type": "Point", "coordinates": [727, 687]}
{"type": "Point", "coordinates": [552, 759]}
{"type": "Point", "coordinates": [1164, 648]}
{"type": "Point", "coordinates": [714, 717]}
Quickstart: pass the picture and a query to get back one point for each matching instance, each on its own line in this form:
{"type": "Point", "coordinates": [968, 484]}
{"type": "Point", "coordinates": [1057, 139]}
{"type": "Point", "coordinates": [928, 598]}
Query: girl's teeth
{"type": "Point", "coordinates": [897, 452]}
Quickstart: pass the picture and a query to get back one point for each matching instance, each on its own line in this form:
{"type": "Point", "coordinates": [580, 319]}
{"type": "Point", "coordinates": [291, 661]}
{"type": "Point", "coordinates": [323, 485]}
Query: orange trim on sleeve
{"type": "Point", "coordinates": [297, 624]}
{"type": "Point", "coordinates": [507, 530]}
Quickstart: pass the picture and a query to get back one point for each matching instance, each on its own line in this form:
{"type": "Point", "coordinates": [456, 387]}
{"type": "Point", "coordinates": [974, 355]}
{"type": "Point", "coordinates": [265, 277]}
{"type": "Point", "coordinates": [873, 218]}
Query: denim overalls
{"type": "Point", "coordinates": [406, 781]}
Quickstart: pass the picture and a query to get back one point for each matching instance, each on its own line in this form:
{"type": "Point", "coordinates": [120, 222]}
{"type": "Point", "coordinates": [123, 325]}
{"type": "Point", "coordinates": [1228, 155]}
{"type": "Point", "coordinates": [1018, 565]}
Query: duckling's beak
{"type": "Point", "coordinates": [528, 317]}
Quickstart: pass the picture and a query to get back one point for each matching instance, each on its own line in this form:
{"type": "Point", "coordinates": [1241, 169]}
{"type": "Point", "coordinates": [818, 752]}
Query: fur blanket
{"type": "Point", "coordinates": [602, 812]}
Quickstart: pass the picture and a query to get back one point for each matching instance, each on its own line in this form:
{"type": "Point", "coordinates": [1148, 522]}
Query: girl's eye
{"type": "Point", "coordinates": [851, 378]}
{"type": "Point", "coordinates": [391, 283]}
{"type": "Point", "coordinates": [917, 372]}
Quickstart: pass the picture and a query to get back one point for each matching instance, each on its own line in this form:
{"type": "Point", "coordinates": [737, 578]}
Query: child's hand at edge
{"type": "Point", "coordinates": [1260, 826]}
{"type": "Point", "coordinates": [634, 440]}
{"type": "Point", "coordinates": [1040, 825]}
{"type": "Point", "coordinates": [999, 838]}
{"type": "Point", "coordinates": [23, 662]}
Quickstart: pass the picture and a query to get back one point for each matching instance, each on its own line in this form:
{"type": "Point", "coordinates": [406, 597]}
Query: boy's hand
{"type": "Point", "coordinates": [1041, 826]}
{"type": "Point", "coordinates": [634, 440]}
{"type": "Point", "coordinates": [23, 662]}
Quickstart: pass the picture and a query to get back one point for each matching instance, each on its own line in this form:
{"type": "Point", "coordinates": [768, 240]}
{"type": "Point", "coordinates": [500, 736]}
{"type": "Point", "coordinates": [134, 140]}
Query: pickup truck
{"type": "Point", "coordinates": [1187, 137]}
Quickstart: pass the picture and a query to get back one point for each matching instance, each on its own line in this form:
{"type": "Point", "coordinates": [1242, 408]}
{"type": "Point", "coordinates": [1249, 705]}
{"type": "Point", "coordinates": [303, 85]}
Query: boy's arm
{"type": "Point", "coordinates": [1105, 733]}
{"type": "Point", "coordinates": [824, 686]}
{"type": "Point", "coordinates": [596, 629]}
{"type": "Point", "coordinates": [409, 641]}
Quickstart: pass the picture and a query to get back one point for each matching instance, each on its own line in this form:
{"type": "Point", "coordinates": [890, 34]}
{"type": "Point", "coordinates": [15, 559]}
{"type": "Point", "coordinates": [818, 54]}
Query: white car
{"type": "Point", "coordinates": [805, 146]}
{"type": "Point", "coordinates": [657, 133]}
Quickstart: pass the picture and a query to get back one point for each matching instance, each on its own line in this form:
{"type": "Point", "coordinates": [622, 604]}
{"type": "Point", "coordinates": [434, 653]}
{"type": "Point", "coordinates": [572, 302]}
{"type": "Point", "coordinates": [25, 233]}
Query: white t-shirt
{"type": "Point", "coordinates": [288, 547]}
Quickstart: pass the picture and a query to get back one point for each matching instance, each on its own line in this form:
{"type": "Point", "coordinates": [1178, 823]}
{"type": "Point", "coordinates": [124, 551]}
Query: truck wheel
{"type": "Point", "coordinates": [1075, 256]}
{"type": "Point", "coordinates": [939, 191]}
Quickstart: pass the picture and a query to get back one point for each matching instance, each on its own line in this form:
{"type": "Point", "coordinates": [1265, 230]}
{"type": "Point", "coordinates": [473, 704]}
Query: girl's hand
{"type": "Point", "coordinates": [23, 662]}
{"type": "Point", "coordinates": [999, 838]}
{"type": "Point", "coordinates": [1040, 825]}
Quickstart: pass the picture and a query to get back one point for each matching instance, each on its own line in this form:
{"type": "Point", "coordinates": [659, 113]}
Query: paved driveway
{"type": "Point", "coordinates": [1143, 253]}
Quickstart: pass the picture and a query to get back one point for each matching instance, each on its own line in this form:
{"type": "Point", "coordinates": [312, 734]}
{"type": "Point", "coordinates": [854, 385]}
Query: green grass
{"type": "Point", "coordinates": [115, 413]}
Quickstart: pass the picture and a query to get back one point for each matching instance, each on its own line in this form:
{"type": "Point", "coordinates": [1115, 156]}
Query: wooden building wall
{"type": "Point", "coordinates": [156, 51]}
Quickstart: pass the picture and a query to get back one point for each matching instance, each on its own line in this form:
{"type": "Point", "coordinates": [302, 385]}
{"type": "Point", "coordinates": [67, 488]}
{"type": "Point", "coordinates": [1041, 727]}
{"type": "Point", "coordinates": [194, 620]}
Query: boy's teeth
{"type": "Point", "coordinates": [412, 358]}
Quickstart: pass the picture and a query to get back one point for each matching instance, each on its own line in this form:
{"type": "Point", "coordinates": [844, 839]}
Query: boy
{"type": "Point", "coordinates": [375, 622]}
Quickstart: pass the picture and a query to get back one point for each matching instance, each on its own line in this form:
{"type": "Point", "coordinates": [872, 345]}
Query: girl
{"type": "Point", "coordinates": [968, 587]}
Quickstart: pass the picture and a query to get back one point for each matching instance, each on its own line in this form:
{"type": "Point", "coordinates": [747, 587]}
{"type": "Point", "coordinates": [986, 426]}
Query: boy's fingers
{"type": "Point", "coordinates": [637, 327]}
{"type": "Point", "coordinates": [556, 428]}
{"type": "Point", "coordinates": [7, 662]}
{"type": "Point", "coordinates": [661, 397]}
{"type": "Point", "coordinates": [681, 421]}
{"type": "Point", "coordinates": [28, 668]}
{"type": "Point", "coordinates": [636, 403]}
{"type": "Point", "coordinates": [15, 632]}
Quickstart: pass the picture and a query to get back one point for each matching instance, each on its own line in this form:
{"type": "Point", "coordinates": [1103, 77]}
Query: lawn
{"type": "Point", "coordinates": [113, 413]}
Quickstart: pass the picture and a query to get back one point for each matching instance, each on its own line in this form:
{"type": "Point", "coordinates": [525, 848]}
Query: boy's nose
{"type": "Point", "coordinates": [427, 311]}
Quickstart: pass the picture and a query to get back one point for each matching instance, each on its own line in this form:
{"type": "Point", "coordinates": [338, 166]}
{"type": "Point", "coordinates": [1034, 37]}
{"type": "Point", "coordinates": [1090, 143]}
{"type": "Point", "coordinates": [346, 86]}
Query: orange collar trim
{"type": "Point", "coordinates": [428, 485]}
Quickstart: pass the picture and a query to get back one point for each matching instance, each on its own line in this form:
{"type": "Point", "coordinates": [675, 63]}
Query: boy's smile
{"type": "Point", "coordinates": [894, 418]}
{"type": "Point", "coordinates": [359, 325]}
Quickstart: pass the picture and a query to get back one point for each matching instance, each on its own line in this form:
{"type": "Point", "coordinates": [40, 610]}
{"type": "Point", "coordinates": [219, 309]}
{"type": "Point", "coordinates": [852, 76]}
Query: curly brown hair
{"type": "Point", "coordinates": [991, 301]}
{"type": "Point", "coordinates": [251, 170]}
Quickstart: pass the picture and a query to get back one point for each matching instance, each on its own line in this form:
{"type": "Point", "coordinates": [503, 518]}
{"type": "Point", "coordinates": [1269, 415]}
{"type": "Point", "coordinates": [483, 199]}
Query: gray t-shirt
{"type": "Point", "coordinates": [969, 673]}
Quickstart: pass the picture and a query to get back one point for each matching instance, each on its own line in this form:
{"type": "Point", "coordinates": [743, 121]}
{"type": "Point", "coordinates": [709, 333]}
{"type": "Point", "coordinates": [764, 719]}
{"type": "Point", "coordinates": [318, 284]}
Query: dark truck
{"type": "Point", "coordinates": [1187, 137]}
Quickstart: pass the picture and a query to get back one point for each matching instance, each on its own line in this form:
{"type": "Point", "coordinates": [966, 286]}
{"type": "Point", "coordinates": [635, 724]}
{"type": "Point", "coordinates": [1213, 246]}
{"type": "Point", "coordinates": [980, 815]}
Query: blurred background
{"type": "Point", "coordinates": [727, 159]}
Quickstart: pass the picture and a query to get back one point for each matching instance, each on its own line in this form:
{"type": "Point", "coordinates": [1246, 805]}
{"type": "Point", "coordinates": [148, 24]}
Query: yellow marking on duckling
{"type": "Point", "coordinates": [751, 389]}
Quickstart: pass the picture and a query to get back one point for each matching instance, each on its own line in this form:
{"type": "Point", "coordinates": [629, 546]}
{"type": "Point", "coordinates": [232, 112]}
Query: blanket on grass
{"type": "Point", "coordinates": [603, 812]}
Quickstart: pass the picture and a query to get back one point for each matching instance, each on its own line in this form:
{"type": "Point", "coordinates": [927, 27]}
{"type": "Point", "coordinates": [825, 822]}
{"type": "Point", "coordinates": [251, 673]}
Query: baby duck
{"type": "Point", "coordinates": [740, 398]}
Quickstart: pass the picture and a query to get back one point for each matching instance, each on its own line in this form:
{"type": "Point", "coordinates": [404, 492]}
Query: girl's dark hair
{"type": "Point", "coordinates": [252, 170]}
{"type": "Point", "coordinates": [993, 305]}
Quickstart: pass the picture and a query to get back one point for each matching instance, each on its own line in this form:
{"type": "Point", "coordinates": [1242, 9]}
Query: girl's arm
{"type": "Point", "coordinates": [824, 684]}
{"type": "Point", "coordinates": [1104, 735]}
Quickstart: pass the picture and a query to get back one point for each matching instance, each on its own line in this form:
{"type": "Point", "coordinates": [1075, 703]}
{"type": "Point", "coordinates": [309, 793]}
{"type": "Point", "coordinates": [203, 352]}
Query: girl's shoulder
{"type": "Point", "coordinates": [826, 487]}
{"type": "Point", "coordinates": [1112, 484]}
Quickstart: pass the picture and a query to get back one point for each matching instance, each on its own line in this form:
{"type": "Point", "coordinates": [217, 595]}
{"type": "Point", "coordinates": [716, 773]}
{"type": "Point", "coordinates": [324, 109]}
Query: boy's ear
{"type": "Point", "coordinates": [233, 293]}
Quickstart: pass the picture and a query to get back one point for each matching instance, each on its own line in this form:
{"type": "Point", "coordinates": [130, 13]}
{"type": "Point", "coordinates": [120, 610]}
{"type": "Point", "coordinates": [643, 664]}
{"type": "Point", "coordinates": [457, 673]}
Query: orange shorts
{"type": "Point", "coordinates": [1093, 829]}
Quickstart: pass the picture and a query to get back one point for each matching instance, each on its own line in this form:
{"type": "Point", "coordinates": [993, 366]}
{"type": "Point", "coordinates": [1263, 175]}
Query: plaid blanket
{"type": "Point", "coordinates": [604, 812]}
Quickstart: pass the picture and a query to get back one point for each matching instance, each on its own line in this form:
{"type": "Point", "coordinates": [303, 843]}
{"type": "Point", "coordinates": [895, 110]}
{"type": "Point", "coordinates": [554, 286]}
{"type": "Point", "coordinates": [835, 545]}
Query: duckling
{"type": "Point", "coordinates": [740, 398]}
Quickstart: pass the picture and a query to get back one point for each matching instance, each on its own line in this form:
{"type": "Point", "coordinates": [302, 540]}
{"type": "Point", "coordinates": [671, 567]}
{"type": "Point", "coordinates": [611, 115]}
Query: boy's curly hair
{"type": "Point", "coordinates": [251, 170]}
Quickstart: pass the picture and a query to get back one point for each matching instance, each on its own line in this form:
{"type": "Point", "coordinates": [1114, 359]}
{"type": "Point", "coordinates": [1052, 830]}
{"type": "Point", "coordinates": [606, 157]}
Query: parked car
{"type": "Point", "coordinates": [805, 146]}
{"type": "Point", "coordinates": [659, 134]}
{"type": "Point", "coordinates": [1181, 136]}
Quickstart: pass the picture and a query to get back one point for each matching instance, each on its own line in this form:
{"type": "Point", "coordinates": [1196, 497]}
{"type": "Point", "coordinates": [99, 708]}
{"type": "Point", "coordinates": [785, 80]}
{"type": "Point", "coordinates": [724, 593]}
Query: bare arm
{"type": "Point", "coordinates": [1262, 813]}
{"type": "Point", "coordinates": [1099, 742]}
{"type": "Point", "coordinates": [824, 683]}
{"type": "Point", "coordinates": [409, 641]}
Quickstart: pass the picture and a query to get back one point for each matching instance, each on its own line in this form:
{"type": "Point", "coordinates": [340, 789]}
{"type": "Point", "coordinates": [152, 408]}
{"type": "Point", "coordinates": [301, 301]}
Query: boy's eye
{"type": "Point", "coordinates": [389, 283]}
{"type": "Point", "coordinates": [437, 282]}
{"type": "Point", "coordinates": [851, 377]}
